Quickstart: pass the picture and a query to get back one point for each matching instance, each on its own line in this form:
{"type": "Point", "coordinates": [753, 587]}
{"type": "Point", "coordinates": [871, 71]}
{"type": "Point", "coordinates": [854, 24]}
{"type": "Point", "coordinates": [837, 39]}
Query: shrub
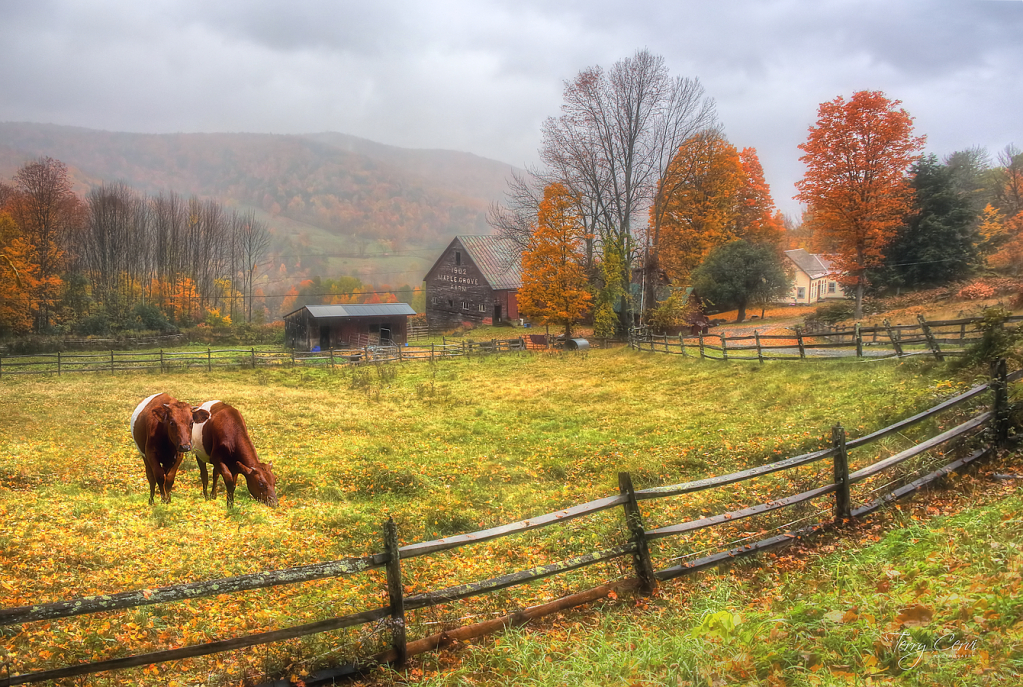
{"type": "Point", "coordinates": [831, 313]}
{"type": "Point", "coordinates": [147, 316]}
{"type": "Point", "coordinates": [976, 291]}
{"type": "Point", "coordinates": [94, 325]}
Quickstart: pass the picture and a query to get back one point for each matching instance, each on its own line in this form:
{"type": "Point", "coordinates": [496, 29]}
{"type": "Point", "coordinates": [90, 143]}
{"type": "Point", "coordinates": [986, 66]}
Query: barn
{"type": "Point", "coordinates": [475, 280]}
{"type": "Point", "coordinates": [347, 326]}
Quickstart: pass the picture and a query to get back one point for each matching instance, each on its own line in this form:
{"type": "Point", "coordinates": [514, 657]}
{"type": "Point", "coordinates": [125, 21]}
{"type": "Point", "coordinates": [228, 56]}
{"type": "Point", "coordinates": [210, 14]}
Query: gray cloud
{"type": "Point", "coordinates": [481, 76]}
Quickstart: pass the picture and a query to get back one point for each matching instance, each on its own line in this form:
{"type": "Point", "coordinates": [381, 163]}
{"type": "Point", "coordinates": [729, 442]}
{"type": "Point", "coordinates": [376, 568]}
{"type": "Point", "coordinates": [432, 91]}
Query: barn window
{"type": "Point", "coordinates": [451, 303]}
{"type": "Point", "coordinates": [483, 308]}
{"type": "Point", "coordinates": [458, 257]}
{"type": "Point", "coordinates": [465, 306]}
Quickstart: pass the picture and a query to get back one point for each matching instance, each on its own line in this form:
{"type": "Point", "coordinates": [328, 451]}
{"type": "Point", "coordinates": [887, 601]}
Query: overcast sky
{"type": "Point", "coordinates": [481, 76]}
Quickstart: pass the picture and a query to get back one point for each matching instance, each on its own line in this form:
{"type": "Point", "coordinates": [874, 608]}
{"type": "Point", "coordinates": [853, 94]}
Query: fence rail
{"type": "Point", "coordinates": [875, 341]}
{"type": "Point", "coordinates": [166, 361]}
{"type": "Point", "coordinates": [646, 576]}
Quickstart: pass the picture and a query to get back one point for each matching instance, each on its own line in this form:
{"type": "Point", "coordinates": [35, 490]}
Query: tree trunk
{"type": "Point", "coordinates": [741, 315]}
{"type": "Point", "coordinates": [858, 314]}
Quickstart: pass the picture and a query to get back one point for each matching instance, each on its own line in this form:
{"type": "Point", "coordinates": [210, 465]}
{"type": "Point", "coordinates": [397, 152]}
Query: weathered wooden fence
{"type": "Point", "coordinates": [839, 478]}
{"type": "Point", "coordinates": [166, 361]}
{"type": "Point", "coordinates": [939, 338]}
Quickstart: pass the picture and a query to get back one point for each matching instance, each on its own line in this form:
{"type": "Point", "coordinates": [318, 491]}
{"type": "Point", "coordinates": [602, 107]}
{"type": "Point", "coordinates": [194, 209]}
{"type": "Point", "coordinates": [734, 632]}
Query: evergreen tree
{"type": "Point", "coordinates": [937, 244]}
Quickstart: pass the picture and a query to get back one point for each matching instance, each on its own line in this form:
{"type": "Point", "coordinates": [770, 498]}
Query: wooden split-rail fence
{"type": "Point", "coordinates": [166, 361]}
{"type": "Point", "coordinates": [939, 338]}
{"type": "Point", "coordinates": [959, 441]}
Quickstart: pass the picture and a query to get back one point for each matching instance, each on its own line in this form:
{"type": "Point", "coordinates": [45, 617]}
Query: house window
{"type": "Point", "coordinates": [483, 308]}
{"type": "Point", "coordinates": [800, 293]}
{"type": "Point", "coordinates": [831, 287]}
{"type": "Point", "coordinates": [458, 257]}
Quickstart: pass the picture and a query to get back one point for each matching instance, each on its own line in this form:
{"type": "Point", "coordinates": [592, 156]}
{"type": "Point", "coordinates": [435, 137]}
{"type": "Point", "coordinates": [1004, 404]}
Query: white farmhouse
{"type": "Point", "coordinates": [814, 278]}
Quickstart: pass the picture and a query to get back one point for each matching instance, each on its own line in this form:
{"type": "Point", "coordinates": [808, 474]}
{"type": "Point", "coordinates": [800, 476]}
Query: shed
{"type": "Point", "coordinates": [347, 326]}
{"type": "Point", "coordinates": [476, 279]}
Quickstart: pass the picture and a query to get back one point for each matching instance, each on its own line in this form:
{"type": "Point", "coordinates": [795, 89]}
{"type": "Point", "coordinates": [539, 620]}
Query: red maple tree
{"type": "Point", "coordinates": [855, 185]}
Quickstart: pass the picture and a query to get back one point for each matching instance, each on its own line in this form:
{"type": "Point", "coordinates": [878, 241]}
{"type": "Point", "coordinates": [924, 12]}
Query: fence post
{"type": "Point", "coordinates": [859, 340]}
{"type": "Point", "coordinates": [293, 357]}
{"type": "Point", "coordinates": [799, 341]}
{"type": "Point", "coordinates": [931, 341]}
{"type": "Point", "coordinates": [252, 352]}
{"type": "Point", "coordinates": [701, 343]}
{"type": "Point", "coordinates": [161, 360]}
{"type": "Point", "coordinates": [682, 345]}
{"type": "Point", "coordinates": [843, 508]}
{"type": "Point", "coordinates": [634, 520]}
{"type": "Point", "coordinates": [111, 361]}
{"type": "Point", "coordinates": [760, 354]}
{"type": "Point", "coordinates": [331, 350]}
{"type": "Point", "coordinates": [1000, 385]}
{"type": "Point", "coordinates": [724, 346]}
{"type": "Point", "coordinates": [209, 360]}
{"type": "Point", "coordinates": [395, 592]}
{"type": "Point", "coordinates": [431, 351]}
{"type": "Point", "coordinates": [58, 363]}
{"type": "Point", "coordinates": [891, 336]}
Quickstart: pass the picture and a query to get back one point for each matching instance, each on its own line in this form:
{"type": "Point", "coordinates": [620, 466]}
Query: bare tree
{"type": "Point", "coordinates": [254, 243]}
{"type": "Point", "coordinates": [615, 138]}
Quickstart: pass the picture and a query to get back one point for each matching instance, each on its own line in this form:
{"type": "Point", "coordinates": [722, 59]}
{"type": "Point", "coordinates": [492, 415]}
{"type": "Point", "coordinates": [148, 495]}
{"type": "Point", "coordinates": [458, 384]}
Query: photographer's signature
{"type": "Point", "coordinates": [911, 652]}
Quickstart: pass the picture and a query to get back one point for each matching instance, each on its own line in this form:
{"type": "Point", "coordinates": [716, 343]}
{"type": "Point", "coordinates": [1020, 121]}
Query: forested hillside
{"type": "Point", "coordinates": [342, 185]}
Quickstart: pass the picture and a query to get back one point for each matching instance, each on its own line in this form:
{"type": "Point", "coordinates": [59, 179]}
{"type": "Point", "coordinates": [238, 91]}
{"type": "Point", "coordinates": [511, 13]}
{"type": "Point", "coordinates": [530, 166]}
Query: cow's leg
{"type": "Point", "coordinates": [229, 480]}
{"type": "Point", "coordinates": [152, 479]}
{"type": "Point", "coordinates": [171, 473]}
{"type": "Point", "coordinates": [204, 474]}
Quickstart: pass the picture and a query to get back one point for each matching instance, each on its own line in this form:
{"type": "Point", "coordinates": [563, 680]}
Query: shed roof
{"type": "Point", "coordinates": [357, 310]}
{"type": "Point", "coordinates": [814, 266]}
{"type": "Point", "coordinates": [496, 258]}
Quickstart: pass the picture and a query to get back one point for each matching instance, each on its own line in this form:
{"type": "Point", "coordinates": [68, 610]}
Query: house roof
{"type": "Point", "coordinates": [357, 310]}
{"type": "Point", "coordinates": [496, 258]}
{"type": "Point", "coordinates": [815, 266]}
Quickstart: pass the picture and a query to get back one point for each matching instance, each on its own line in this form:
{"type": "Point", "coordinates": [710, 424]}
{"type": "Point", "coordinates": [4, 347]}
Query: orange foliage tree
{"type": "Point", "coordinates": [712, 194]}
{"type": "Point", "coordinates": [1010, 255]}
{"type": "Point", "coordinates": [700, 210]}
{"type": "Point", "coordinates": [553, 279]}
{"type": "Point", "coordinates": [18, 275]}
{"type": "Point", "coordinates": [855, 185]}
{"type": "Point", "coordinates": [758, 220]}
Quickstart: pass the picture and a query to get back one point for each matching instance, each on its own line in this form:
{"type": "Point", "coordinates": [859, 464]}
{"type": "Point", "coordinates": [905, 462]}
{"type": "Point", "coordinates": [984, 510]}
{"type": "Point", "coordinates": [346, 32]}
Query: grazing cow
{"type": "Point", "coordinates": [223, 442]}
{"type": "Point", "coordinates": [162, 429]}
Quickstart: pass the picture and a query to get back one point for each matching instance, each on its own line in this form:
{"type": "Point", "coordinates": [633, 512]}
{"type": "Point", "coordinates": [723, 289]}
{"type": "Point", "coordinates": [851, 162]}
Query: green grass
{"type": "Point", "coordinates": [445, 448]}
{"type": "Point", "coordinates": [908, 597]}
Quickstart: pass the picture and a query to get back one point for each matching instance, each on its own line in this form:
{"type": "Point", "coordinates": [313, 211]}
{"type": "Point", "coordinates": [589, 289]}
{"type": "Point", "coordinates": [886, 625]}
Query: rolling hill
{"type": "Point", "coordinates": [332, 192]}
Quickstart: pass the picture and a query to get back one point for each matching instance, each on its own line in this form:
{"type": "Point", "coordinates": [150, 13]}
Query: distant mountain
{"type": "Point", "coordinates": [327, 182]}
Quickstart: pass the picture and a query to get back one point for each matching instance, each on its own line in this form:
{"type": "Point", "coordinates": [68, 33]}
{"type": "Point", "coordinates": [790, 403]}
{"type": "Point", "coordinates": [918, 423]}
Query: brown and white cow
{"type": "Point", "coordinates": [162, 429]}
{"type": "Point", "coordinates": [223, 442]}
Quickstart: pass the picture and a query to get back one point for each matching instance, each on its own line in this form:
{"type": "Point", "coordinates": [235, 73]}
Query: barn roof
{"type": "Point", "coordinates": [357, 310]}
{"type": "Point", "coordinates": [814, 266]}
{"type": "Point", "coordinates": [497, 258]}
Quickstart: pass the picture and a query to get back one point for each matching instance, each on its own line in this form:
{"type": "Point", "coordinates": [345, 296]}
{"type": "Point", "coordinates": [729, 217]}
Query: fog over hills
{"type": "Point", "coordinates": [325, 185]}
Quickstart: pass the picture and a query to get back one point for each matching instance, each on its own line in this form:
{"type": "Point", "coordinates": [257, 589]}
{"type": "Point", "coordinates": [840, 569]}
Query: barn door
{"type": "Point", "coordinates": [324, 337]}
{"type": "Point", "coordinates": [497, 314]}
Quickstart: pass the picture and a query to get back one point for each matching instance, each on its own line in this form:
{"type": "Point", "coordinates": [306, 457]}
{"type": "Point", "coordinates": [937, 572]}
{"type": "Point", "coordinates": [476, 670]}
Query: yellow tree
{"type": "Point", "coordinates": [553, 279]}
{"type": "Point", "coordinates": [701, 209]}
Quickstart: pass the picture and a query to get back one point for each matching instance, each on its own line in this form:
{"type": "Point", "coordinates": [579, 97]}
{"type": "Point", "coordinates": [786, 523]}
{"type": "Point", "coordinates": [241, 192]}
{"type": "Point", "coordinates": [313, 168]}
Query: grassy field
{"type": "Point", "coordinates": [444, 448]}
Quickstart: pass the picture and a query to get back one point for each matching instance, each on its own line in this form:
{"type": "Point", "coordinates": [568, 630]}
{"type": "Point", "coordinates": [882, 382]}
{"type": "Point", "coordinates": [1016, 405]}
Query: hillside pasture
{"type": "Point", "coordinates": [442, 448]}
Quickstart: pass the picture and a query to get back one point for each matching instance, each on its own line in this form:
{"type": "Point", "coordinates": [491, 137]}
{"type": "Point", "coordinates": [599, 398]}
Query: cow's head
{"type": "Point", "coordinates": [177, 419]}
{"type": "Point", "coordinates": [262, 482]}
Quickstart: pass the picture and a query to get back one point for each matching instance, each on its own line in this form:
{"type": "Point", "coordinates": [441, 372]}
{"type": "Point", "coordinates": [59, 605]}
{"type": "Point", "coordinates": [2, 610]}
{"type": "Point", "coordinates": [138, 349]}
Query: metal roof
{"type": "Point", "coordinates": [813, 265]}
{"type": "Point", "coordinates": [496, 258]}
{"type": "Point", "coordinates": [358, 310]}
